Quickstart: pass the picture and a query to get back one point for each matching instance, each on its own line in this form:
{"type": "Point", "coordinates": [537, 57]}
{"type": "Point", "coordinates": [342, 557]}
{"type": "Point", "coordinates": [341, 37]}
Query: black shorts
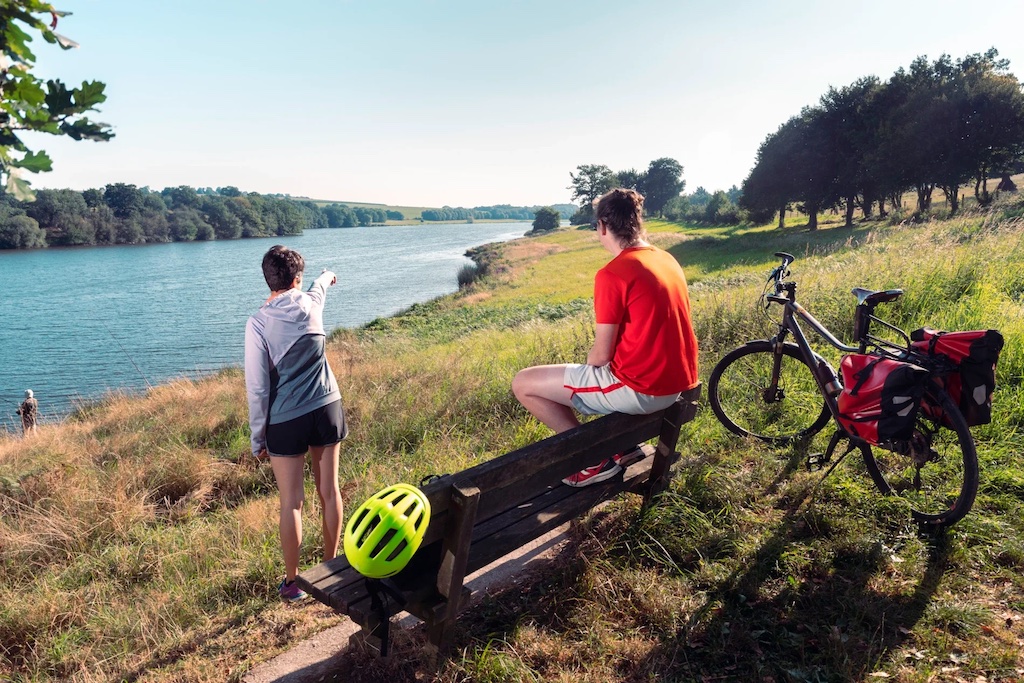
{"type": "Point", "coordinates": [319, 427]}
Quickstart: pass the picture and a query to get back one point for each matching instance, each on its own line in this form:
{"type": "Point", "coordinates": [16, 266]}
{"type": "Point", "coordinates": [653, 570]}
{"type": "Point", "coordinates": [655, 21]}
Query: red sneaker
{"type": "Point", "coordinates": [606, 469]}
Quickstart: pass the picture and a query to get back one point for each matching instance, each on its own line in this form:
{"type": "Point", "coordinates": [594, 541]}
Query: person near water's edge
{"type": "Point", "coordinates": [29, 411]}
{"type": "Point", "coordinates": [645, 351]}
{"type": "Point", "coordinates": [294, 402]}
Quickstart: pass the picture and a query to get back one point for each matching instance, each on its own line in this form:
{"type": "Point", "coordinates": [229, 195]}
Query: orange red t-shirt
{"type": "Point", "coordinates": [643, 291]}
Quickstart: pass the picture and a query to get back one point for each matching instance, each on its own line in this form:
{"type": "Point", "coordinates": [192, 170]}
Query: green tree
{"type": "Point", "coordinates": [27, 104]}
{"type": "Point", "coordinates": [662, 181]}
{"type": "Point", "coordinates": [93, 197]}
{"type": "Point", "coordinates": [226, 225]}
{"type": "Point", "coordinates": [363, 215]}
{"type": "Point", "coordinates": [104, 224]}
{"type": "Point", "coordinates": [853, 122]}
{"type": "Point", "coordinates": [18, 231]}
{"type": "Point", "coordinates": [991, 117]}
{"type": "Point", "coordinates": [546, 218]}
{"type": "Point", "coordinates": [63, 214]}
{"type": "Point", "coordinates": [186, 224]}
{"type": "Point", "coordinates": [252, 223]}
{"type": "Point", "coordinates": [340, 216]}
{"type": "Point", "coordinates": [590, 182]}
{"type": "Point", "coordinates": [630, 178]}
{"type": "Point", "coordinates": [180, 197]}
{"type": "Point", "coordinates": [124, 200]}
{"type": "Point", "coordinates": [794, 164]}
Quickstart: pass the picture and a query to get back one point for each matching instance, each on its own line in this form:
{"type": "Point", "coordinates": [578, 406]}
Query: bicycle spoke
{"type": "Point", "coordinates": [742, 396]}
{"type": "Point", "coordinates": [937, 471]}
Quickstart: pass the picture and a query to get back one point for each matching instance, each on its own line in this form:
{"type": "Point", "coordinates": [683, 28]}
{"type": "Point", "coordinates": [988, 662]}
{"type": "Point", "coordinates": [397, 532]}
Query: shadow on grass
{"type": "Point", "coordinates": [759, 623]}
{"type": "Point", "coordinates": [739, 246]}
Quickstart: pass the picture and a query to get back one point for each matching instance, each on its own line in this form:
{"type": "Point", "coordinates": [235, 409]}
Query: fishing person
{"type": "Point", "coordinates": [29, 411]}
{"type": "Point", "coordinates": [644, 352]}
{"type": "Point", "coordinates": [294, 402]}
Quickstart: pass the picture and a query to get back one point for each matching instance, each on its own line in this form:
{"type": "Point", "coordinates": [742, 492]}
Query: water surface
{"type": "Point", "coordinates": [78, 322]}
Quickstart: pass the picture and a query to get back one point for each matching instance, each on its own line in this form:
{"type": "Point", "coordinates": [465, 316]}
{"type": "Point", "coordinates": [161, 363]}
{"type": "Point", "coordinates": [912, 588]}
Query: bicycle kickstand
{"type": "Point", "coordinates": [817, 461]}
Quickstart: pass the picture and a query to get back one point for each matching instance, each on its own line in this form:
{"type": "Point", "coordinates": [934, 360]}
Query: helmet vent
{"type": "Point", "coordinates": [379, 548]}
{"type": "Point", "coordinates": [398, 550]}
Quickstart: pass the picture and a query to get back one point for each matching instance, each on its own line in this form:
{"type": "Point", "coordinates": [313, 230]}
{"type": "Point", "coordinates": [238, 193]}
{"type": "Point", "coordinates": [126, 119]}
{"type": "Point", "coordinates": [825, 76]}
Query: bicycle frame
{"type": "Point", "coordinates": [825, 376]}
{"type": "Point", "coordinates": [792, 311]}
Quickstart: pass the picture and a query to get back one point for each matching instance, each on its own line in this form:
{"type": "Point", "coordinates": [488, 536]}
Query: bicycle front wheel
{"type": "Point", "coordinates": [741, 397]}
{"type": "Point", "coordinates": [938, 473]}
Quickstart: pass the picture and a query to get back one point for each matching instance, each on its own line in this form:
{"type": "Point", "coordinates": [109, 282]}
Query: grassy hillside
{"type": "Point", "coordinates": [411, 213]}
{"type": "Point", "coordinates": [138, 542]}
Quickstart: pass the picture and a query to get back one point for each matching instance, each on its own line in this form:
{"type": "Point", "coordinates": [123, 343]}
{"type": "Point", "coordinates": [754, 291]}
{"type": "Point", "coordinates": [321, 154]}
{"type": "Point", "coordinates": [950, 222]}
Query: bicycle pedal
{"type": "Point", "coordinates": [816, 461]}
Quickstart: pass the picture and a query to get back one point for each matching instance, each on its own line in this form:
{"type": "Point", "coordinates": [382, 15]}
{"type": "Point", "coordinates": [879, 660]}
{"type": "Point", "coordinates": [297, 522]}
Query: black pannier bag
{"type": "Point", "coordinates": [972, 358]}
{"type": "Point", "coordinates": [880, 398]}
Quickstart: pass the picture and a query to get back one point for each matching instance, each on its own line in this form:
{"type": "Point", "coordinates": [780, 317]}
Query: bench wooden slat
{"type": "Point", "coordinates": [505, 533]}
{"type": "Point", "coordinates": [563, 454]}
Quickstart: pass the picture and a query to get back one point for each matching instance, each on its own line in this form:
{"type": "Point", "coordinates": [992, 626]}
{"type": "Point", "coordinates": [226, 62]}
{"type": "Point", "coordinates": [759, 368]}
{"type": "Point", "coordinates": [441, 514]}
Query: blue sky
{"type": "Point", "coordinates": [470, 103]}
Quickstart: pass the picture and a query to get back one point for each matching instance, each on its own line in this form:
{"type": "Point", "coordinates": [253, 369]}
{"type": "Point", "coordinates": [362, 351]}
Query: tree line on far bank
{"type": "Point", "coordinates": [121, 213]}
{"type": "Point", "coordinates": [940, 124]}
{"type": "Point", "coordinates": [498, 212]}
{"type": "Point", "coordinates": [125, 214]}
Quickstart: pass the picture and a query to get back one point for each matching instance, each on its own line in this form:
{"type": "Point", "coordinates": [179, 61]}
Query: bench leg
{"type": "Point", "coordinates": [455, 554]}
{"type": "Point", "coordinates": [367, 638]}
{"type": "Point", "coordinates": [679, 413]}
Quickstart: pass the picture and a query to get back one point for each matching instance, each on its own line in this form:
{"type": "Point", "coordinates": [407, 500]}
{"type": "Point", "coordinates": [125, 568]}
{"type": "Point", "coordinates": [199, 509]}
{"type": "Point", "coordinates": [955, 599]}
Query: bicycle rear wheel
{"type": "Point", "coordinates": [738, 390]}
{"type": "Point", "coordinates": [938, 475]}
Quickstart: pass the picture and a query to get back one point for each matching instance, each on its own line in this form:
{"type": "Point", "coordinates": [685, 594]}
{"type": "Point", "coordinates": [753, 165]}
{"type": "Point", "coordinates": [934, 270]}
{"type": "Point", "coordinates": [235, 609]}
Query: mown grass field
{"type": "Point", "coordinates": [138, 542]}
{"type": "Point", "coordinates": [412, 213]}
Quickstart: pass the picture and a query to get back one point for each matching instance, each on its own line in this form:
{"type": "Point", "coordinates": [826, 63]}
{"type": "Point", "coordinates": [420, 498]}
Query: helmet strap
{"type": "Point", "coordinates": [380, 591]}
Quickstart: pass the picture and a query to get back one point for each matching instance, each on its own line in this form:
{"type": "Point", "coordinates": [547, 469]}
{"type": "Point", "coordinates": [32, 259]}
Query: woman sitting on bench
{"type": "Point", "coordinates": [644, 353]}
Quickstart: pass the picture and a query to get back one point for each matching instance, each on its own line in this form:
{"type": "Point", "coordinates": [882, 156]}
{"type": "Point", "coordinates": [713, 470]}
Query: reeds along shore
{"type": "Point", "coordinates": [138, 539]}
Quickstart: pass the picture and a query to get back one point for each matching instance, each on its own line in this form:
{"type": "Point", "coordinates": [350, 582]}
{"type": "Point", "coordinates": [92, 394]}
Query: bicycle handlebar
{"type": "Point", "coordinates": [781, 271]}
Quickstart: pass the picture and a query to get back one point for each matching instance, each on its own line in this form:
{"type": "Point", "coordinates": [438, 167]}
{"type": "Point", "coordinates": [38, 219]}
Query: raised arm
{"type": "Point", "coordinates": [318, 290]}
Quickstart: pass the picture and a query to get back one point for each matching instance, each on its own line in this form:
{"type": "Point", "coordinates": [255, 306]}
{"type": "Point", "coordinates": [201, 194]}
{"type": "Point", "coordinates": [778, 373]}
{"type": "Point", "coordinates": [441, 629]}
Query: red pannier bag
{"type": "Point", "coordinates": [880, 397]}
{"type": "Point", "coordinates": [973, 356]}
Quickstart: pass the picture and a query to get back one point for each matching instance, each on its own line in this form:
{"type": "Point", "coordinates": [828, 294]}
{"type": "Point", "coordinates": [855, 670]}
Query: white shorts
{"type": "Point", "coordinates": [596, 391]}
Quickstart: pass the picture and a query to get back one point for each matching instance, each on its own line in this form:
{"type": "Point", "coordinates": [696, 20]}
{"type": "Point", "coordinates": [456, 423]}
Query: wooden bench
{"type": "Point", "coordinates": [485, 512]}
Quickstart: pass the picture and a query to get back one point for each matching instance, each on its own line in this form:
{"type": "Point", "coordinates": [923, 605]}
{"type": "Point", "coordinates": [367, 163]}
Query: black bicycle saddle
{"type": "Point", "coordinates": [870, 297]}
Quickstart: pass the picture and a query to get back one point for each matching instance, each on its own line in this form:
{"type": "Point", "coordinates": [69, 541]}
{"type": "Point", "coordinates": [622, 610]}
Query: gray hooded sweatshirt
{"type": "Point", "coordinates": [286, 371]}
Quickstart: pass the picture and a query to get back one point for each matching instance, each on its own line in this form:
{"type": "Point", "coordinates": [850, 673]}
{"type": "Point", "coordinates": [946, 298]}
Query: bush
{"type": "Point", "coordinates": [468, 274]}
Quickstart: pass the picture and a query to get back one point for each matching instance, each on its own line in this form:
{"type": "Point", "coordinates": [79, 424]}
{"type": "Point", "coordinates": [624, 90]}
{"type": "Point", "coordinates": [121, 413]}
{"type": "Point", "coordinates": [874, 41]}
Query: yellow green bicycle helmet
{"type": "Point", "coordinates": [385, 531]}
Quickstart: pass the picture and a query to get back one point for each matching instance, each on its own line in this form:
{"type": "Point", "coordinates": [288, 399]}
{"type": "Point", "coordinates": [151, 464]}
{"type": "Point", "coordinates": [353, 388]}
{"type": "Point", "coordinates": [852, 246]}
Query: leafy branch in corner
{"type": "Point", "coordinates": [29, 104]}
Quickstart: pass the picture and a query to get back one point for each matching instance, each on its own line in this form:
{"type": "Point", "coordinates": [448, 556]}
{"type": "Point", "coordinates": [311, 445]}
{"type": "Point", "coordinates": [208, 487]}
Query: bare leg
{"type": "Point", "coordinates": [325, 474]}
{"type": "Point", "coordinates": [541, 389]}
{"type": "Point", "coordinates": [289, 475]}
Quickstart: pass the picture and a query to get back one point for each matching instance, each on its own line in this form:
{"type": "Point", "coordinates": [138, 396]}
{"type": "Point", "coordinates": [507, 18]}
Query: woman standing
{"type": "Point", "coordinates": [294, 402]}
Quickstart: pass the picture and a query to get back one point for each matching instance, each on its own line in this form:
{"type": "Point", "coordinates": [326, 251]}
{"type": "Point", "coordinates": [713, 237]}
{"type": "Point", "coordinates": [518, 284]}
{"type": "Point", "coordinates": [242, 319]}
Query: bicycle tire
{"type": "Point", "coordinates": [947, 481]}
{"type": "Point", "coordinates": [736, 391]}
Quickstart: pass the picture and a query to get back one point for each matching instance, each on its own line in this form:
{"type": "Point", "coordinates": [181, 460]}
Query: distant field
{"type": "Point", "coordinates": [411, 213]}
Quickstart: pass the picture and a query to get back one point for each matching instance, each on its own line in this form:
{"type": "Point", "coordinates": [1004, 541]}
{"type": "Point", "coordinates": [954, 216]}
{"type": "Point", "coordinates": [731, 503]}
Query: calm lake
{"type": "Point", "coordinates": [76, 322]}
